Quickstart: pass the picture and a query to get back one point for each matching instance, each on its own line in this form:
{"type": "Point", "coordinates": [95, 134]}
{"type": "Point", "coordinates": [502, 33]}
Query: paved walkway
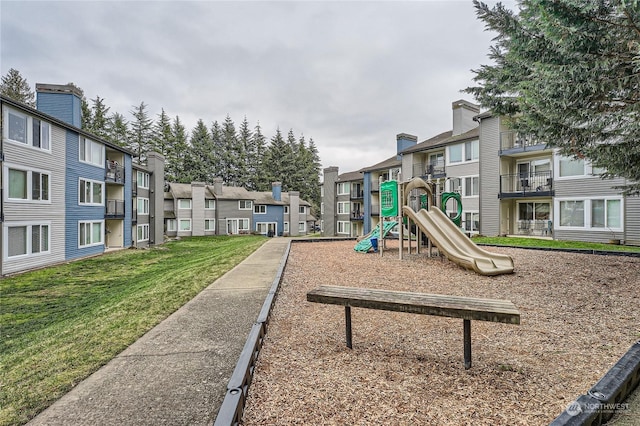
{"type": "Point", "coordinates": [177, 373]}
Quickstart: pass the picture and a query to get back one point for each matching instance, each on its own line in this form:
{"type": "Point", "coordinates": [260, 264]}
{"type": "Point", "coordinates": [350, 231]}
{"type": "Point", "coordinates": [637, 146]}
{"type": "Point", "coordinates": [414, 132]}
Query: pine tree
{"type": "Point", "coordinates": [118, 129]}
{"type": "Point", "coordinates": [86, 115]}
{"type": "Point", "coordinates": [177, 151]}
{"type": "Point", "coordinates": [219, 167]}
{"type": "Point", "coordinates": [161, 132]}
{"type": "Point", "coordinates": [567, 72]}
{"type": "Point", "coordinates": [277, 160]}
{"type": "Point", "coordinates": [256, 158]}
{"type": "Point", "coordinates": [246, 166]}
{"type": "Point", "coordinates": [14, 86]}
{"type": "Point", "coordinates": [99, 118]}
{"type": "Point", "coordinates": [198, 163]}
{"type": "Point", "coordinates": [140, 133]}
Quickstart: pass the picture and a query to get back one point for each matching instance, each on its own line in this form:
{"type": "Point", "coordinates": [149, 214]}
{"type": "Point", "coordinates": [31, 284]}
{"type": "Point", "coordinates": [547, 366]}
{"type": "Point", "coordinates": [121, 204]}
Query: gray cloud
{"type": "Point", "coordinates": [351, 75]}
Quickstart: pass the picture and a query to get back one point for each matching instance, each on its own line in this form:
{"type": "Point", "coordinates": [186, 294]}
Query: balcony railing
{"type": "Point", "coordinates": [357, 215]}
{"type": "Point", "coordinates": [114, 209]}
{"type": "Point", "coordinates": [513, 140]}
{"type": "Point", "coordinates": [538, 228]}
{"type": "Point", "coordinates": [355, 195]}
{"type": "Point", "coordinates": [114, 172]}
{"type": "Point", "coordinates": [435, 170]}
{"type": "Point", "coordinates": [526, 185]}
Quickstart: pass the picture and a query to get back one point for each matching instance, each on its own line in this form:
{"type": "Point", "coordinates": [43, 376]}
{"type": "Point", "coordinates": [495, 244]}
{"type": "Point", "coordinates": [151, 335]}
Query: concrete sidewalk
{"type": "Point", "coordinates": [177, 373]}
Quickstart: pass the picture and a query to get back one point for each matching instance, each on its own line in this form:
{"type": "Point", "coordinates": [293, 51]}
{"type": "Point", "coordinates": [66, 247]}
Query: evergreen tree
{"type": "Point", "coordinates": [140, 133]}
{"type": "Point", "coordinates": [231, 154]}
{"type": "Point", "coordinates": [99, 118]}
{"type": "Point", "coordinates": [259, 180]}
{"type": "Point", "coordinates": [246, 165]}
{"type": "Point", "coordinates": [118, 129]}
{"type": "Point", "coordinates": [161, 134]}
{"type": "Point", "coordinates": [14, 86]}
{"type": "Point", "coordinates": [277, 160]}
{"type": "Point", "coordinates": [177, 151]}
{"type": "Point", "coordinates": [219, 166]}
{"type": "Point", "coordinates": [567, 72]}
{"type": "Point", "coordinates": [86, 115]}
{"type": "Point", "coordinates": [313, 176]}
{"type": "Point", "coordinates": [198, 162]}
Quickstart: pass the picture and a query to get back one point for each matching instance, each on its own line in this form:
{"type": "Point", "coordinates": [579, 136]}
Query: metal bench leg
{"type": "Point", "coordinates": [467, 344]}
{"type": "Point", "coordinates": [347, 320]}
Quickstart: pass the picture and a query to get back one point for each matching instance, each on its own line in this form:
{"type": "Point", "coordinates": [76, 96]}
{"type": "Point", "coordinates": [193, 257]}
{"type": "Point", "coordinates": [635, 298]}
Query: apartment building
{"type": "Point", "coordinates": [63, 189]}
{"type": "Point", "coordinates": [198, 209]}
{"type": "Point", "coordinates": [147, 207]}
{"type": "Point", "coordinates": [509, 184]}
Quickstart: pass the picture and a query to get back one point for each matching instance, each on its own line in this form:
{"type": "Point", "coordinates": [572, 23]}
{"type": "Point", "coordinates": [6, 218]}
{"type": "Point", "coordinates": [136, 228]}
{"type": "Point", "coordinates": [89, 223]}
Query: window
{"type": "Point", "coordinates": [572, 213]}
{"type": "Point", "coordinates": [344, 227]}
{"type": "Point", "coordinates": [471, 222]}
{"type": "Point", "coordinates": [143, 232]}
{"type": "Point", "coordinates": [143, 206]}
{"type": "Point", "coordinates": [571, 167]}
{"type": "Point", "coordinates": [606, 213]}
{"type": "Point", "coordinates": [471, 150]}
{"type": "Point", "coordinates": [25, 239]}
{"type": "Point", "coordinates": [302, 227]}
{"type": "Point", "coordinates": [245, 204]}
{"type": "Point", "coordinates": [91, 152]}
{"type": "Point", "coordinates": [286, 209]}
{"type": "Point", "coordinates": [455, 153]}
{"type": "Point", "coordinates": [343, 188]}
{"type": "Point", "coordinates": [27, 184]}
{"type": "Point", "coordinates": [534, 211]}
{"type": "Point", "coordinates": [471, 186]}
{"type": "Point", "coordinates": [90, 233]}
{"type": "Point", "coordinates": [184, 204]}
{"type": "Point", "coordinates": [90, 192]}
{"type": "Point", "coordinates": [243, 224]}
{"type": "Point", "coordinates": [171, 225]}
{"type": "Point", "coordinates": [260, 209]}
{"type": "Point", "coordinates": [210, 204]}
{"type": "Point", "coordinates": [455, 185]}
{"type": "Point", "coordinates": [285, 227]}
{"type": "Point", "coordinates": [343, 207]}
{"type": "Point", "coordinates": [143, 179]}
{"type": "Point", "coordinates": [209, 224]}
{"type": "Point", "coordinates": [27, 130]}
{"type": "Point", "coordinates": [321, 208]}
{"type": "Point", "coordinates": [302, 210]}
{"type": "Point", "coordinates": [185, 224]}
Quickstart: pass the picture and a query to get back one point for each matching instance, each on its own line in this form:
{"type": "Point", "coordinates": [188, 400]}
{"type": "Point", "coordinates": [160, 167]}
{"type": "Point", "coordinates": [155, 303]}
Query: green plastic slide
{"type": "Point", "coordinates": [365, 245]}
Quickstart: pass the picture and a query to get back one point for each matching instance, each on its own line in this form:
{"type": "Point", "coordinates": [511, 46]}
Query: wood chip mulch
{"type": "Point", "coordinates": [579, 315]}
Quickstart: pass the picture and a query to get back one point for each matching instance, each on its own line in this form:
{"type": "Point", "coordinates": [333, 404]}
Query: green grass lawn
{"type": "Point", "coordinates": [536, 242]}
{"type": "Point", "coordinates": [58, 325]}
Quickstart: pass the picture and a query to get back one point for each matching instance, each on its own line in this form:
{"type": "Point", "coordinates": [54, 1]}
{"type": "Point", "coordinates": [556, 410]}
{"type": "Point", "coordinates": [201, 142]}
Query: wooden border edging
{"type": "Point", "coordinates": [598, 405]}
{"type": "Point", "coordinates": [232, 408]}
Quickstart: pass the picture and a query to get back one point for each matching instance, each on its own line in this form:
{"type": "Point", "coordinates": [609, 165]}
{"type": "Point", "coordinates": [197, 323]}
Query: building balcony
{"type": "Point", "coordinates": [134, 188]}
{"type": "Point", "coordinates": [514, 143]}
{"type": "Point", "coordinates": [114, 209]}
{"type": "Point", "coordinates": [356, 195]}
{"type": "Point", "coordinates": [537, 184]}
{"type": "Point", "coordinates": [436, 170]}
{"type": "Point", "coordinates": [357, 216]}
{"type": "Point", "coordinates": [114, 172]}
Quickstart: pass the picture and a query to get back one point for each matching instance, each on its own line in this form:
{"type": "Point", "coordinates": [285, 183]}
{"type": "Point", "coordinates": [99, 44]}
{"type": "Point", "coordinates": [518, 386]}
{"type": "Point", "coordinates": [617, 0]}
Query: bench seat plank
{"type": "Point", "coordinates": [467, 308]}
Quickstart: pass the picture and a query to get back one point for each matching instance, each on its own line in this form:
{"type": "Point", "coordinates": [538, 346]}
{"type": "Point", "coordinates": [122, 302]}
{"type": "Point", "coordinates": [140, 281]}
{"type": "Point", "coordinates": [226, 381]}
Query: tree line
{"type": "Point", "coordinates": [241, 155]}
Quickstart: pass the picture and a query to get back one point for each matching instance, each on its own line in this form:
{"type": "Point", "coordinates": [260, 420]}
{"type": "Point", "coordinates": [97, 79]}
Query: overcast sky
{"type": "Point", "coordinates": [350, 75]}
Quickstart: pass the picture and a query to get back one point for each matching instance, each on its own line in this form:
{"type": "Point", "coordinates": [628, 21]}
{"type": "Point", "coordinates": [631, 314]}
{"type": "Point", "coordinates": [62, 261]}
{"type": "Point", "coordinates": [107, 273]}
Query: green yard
{"type": "Point", "coordinates": [543, 243]}
{"type": "Point", "coordinates": [58, 325]}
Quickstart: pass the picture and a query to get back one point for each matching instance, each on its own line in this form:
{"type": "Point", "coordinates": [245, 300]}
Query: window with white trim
{"type": "Point", "coordinates": [26, 130]}
{"type": "Point", "coordinates": [185, 224]}
{"type": "Point", "coordinates": [343, 207]}
{"type": "Point", "coordinates": [597, 214]}
{"type": "Point", "coordinates": [143, 206]}
{"type": "Point", "coordinates": [209, 204]}
{"type": "Point", "coordinates": [344, 227]}
{"type": "Point", "coordinates": [142, 179]}
{"type": "Point", "coordinates": [243, 224]}
{"type": "Point", "coordinates": [209, 224]}
{"type": "Point", "coordinates": [245, 204]}
{"type": "Point", "coordinates": [471, 186]}
{"type": "Point", "coordinates": [302, 227]}
{"type": "Point", "coordinates": [286, 209]}
{"type": "Point", "coordinates": [143, 232]}
{"type": "Point", "coordinates": [27, 184]}
{"type": "Point", "coordinates": [91, 152]}
{"type": "Point", "coordinates": [569, 167]}
{"type": "Point", "coordinates": [285, 227]}
{"type": "Point", "coordinates": [172, 225]}
{"type": "Point", "coordinates": [90, 192]}
{"type": "Point", "coordinates": [321, 208]}
{"type": "Point", "coordinates": [471, 222]}
{"type": "Point", "coordinates": [302, 209]}
{"type": "Point", "coordinates": [463, 152]}
{"type": "Point", "coordinates": [184, 204]}
{"type": "Point", "coordinates": [260, 209]}
{"type": "Point", "coordinates": [344, 188]}
{"type": "Point", "coordinates": [26, 238]}
{"type": "Point", "coordinates": [90, 233]}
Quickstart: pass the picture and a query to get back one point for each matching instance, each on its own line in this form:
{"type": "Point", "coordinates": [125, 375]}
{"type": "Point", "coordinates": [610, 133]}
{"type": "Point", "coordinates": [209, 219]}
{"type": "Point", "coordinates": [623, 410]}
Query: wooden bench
{"type": "Point", "coordinates": [467, 308]}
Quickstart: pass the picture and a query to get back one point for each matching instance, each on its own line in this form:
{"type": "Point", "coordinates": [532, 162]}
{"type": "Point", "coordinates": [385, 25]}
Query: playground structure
{"type": "Point", "coordinates": [441, 231]}
{"type": "Point", "coordinates": [366, 243]}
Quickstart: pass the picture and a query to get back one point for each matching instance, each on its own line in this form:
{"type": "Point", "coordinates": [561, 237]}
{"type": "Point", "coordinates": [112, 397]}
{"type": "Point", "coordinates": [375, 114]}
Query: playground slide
{"type": "Point", "coordinates": [454, 244]}
{"type": "Point", "coordinates": [364, 245]}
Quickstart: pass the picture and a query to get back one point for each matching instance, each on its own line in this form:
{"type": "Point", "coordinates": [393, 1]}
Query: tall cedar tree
{"type": "Point", "coordinates": [219, 164]}
{"type": "Point", "coordinates": [118, 129]}
{"type": "Point", "coordinates": [232, 154]}
{"type": "Point", "coordinates": [161, 133]}
{"type": "Point", "coordinates": [14, 86]}
{"type": "Point", "coordinates": [99, 118]}
{"type": "Point", "coordinates": [259, 181]}
{"type": "Point", "coordinates": [198, 161]}
{"type": "Point", "coordinates": [568, 73]}
{"type": "Point", "coordinates": [140, 133]}
{"type": "Point", "coordinates": [245, 167]}
{"type": "Point", "coordinates": [174, 168]}
{"type": "Point", "coordinates": [276, 158]}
